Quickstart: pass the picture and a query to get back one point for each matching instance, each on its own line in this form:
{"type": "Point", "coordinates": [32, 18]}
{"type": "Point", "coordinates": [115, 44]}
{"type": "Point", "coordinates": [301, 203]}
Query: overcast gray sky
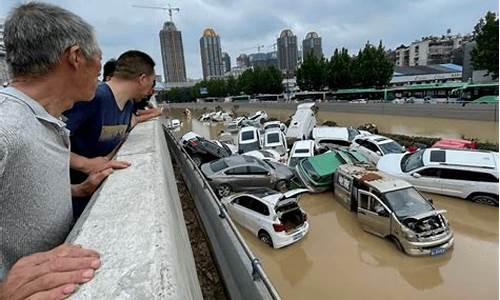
{"type": "Point", "coordinates": [243, 24]}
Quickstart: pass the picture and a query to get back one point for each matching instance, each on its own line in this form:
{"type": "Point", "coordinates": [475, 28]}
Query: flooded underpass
{"type": "Point", "coordinates": [338, 260]}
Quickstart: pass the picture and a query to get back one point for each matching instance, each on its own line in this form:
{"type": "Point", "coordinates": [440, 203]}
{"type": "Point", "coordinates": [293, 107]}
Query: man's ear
{"type": "Point", "coordinates": [74, 56]}
{"type": "Point", "coordinates": [142, 78]}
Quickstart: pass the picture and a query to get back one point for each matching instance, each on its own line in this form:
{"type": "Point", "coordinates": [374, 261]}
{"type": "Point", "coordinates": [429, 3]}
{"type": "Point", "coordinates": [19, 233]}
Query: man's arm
{"type": "Point", "coordinates": [88, 187]}
{"type": "Point", "coordinates": [96, 164]}
{"type": "Point", "coordinates": [145, 115]}
{"type": "Point", "coordinates": [54, 274]}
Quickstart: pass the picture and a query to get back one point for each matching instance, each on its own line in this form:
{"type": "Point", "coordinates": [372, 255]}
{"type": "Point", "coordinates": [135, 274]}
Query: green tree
{"type": "Point", "coordinates": [311, 74]}
{"type": "Point", "coordinates": [485, 53]}
{"type": "Point", "coordinates": [372, 67]}
{"type": "Point", "coordinates": [339, 70]}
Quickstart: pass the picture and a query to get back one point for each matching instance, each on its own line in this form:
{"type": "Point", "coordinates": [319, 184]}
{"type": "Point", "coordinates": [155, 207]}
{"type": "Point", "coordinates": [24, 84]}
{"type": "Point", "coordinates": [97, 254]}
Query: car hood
{"type": "Point", "coordinates": [281, 170]}
{"type": "Point", "coordinates": [390, 163]}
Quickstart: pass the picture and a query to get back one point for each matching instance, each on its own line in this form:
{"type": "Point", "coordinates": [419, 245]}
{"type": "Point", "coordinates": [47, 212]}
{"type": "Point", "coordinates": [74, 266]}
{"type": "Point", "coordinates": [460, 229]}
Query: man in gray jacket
{"type": "Point", "coordinates": [55, 61]}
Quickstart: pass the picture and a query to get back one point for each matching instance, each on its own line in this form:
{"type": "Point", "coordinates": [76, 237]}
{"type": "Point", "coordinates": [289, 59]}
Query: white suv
{"type": "Point", "coordinates": [459, 173]}
{"type": "Point", "coordinates": [374, 146]}
{"type": "Point", "coordinates": [275, 218]}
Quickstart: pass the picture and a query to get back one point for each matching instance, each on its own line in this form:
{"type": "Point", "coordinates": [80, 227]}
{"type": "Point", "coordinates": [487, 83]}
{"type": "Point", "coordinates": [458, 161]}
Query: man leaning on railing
{"type": "Point", "coordinates": [55, 61]}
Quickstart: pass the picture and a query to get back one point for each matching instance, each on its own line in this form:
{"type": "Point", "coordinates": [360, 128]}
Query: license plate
{"type": "Point", "coordinates": [437, 251]}
{"type": "Point", "coordinates": [296, 236]}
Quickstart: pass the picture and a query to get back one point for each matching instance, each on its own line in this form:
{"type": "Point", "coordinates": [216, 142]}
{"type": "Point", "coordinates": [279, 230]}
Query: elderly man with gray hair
{"type": "Point", "coordinates": [55, 61]}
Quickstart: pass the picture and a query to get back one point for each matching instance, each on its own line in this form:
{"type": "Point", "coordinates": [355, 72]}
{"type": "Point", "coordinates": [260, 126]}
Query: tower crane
{"type": "Point", "coordinates": [170, 9]}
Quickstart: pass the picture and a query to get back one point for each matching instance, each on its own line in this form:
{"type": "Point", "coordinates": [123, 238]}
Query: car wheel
{"type": "Point", "coordinates": [197, 160]}
{"type": "Point", "coordinates": [485, 199]}
{"type": "Point", "coordinates": [282, 186]}
{"type": "Point", "coordinates": [224, 190]}
{"type": "Point", "coordinates": [266, 238]}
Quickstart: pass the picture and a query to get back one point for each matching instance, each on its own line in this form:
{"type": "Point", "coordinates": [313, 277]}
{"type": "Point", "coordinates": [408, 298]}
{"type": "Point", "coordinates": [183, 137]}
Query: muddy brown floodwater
{"type": "Point", "coordinates": [338, 260]}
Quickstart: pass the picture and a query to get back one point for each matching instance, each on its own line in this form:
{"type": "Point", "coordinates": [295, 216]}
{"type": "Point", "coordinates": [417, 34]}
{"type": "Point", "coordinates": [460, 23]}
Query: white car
{"type": "Point", "coordinates": [275, 218]}
{"type": "Point", "coordinates": [274, 139]}
{"type": "Point", "coordinates": [302, 124]}
{"type": "Point", "coordinates": [274, 124]}
{"type": "Point", "coordinates": [459, 173]}
{"type": "Point", "coordinates": [258, 117]}
{"type": "Point", "coordinates": [341, 136]}
{"type": "Point", "coordinates": [267, 154]}
{"type": "Point", "coordinates": [301, 150]}
{"type": "Point", "coordinates": [375, 146]}
{"type": "Point", "coordinates": [249, 139]}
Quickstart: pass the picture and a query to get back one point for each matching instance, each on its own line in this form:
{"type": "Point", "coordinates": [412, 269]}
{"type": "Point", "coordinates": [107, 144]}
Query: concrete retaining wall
{"type": "Point", "coordinates": [135, 221]}
{"type": "Point", "coordinates": [480, 112]}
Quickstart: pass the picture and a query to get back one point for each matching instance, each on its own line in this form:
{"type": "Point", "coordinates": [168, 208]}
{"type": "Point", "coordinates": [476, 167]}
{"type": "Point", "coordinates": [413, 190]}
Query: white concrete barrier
{"type": "Point", "coordinates": [135, 221]}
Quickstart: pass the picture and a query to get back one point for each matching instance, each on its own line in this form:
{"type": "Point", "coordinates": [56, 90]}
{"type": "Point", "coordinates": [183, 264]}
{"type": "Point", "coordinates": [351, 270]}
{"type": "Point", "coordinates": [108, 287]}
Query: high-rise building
{"type": "Point", "coordinates": [287, 52]}
{"type": "Point", "coordinates": [243, 61]}
{"type": "Point", "coordinates": [172, 53]}
{"type": "Point", "coordinates": [312, 45]}
{"type": "Point", "coordinates": [263, 60]}
{"type": "Point", "coordinates": [211, 55]}
{"type": "Point", "coordinates": [226, 60]}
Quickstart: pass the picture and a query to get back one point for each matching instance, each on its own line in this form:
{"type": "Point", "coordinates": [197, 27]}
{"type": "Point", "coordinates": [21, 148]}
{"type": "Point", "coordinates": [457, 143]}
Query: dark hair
{"type": "Point", "coordinates": [133, 64]}
{"type": "Point", "coordinates": [108, 69]}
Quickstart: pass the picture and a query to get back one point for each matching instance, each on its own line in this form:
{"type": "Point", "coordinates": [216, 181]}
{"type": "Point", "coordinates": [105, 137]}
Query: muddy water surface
{"type": "Point", "coordinates": [338, 260]}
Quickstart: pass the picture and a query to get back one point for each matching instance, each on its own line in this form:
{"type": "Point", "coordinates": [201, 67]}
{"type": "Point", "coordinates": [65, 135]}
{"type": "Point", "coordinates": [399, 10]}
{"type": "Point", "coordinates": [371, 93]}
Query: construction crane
{"type": "Point", "coordinates": [170, 9]}
{"type": "Point", "coordinates": [272, 45]}
{"type": "Point", "coordinates": [258, 47]}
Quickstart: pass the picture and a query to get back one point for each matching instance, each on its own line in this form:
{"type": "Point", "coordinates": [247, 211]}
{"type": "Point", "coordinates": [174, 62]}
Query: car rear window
{"type": "Point", "coordinates": [247, 135]}
{"type": "Point", "coordinates": [218, 165]}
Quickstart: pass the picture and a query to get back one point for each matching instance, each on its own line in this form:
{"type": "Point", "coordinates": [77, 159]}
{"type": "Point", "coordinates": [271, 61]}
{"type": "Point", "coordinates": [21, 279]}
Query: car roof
{"type": "Point", "coordinates": [378, 139]}
{"type": "Point", "coordinates": [461, 158]}
{"type": "Point", "coordinates": [372, 177]}
{"type": "Point", "coordinates": [303, 144]}
{"type": "Point", "coordinates": [324, 132]}
{"type": "Point", "coordinates": [237, 160]}
{"type": "Point", "coordinates": [309, 105]}
{"type": "Point", "coordinates": [324, 163]}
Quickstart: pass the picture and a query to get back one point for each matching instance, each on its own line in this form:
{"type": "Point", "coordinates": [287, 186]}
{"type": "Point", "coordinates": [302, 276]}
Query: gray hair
{"type": "Point", "coordinates": [37, 34]}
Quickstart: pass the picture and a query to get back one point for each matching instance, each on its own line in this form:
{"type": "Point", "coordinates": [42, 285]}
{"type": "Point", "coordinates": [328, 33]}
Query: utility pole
{"type": "Point", "coordinates": [170, 9]}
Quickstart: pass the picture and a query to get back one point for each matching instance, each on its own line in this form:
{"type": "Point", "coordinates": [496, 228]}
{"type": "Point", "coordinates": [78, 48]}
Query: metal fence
{"type": "Point", "coordinates": [241, 271]}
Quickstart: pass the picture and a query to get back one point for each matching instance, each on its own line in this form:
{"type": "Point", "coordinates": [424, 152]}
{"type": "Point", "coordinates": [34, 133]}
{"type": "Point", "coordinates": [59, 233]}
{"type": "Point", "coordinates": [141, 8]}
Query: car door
{"type": "Point", "coordinates": [236, 178]}
{"type": "Point", "coordinates": [363, 149]}
{"type": "Point", "coordinates": [237, 210]}
{"type": "Point", "coordinates": [373, 215]}
{"type": "Point", "coordinates": [426, 179]}
{"type": "Point", "coordinates": [257, 215]}
{"type": "Point", "coordinates": [457, 183]}
{"type": "Point", "coordinates": [258, 176]}
{"type": "Point", "coordinates": [372, 151]}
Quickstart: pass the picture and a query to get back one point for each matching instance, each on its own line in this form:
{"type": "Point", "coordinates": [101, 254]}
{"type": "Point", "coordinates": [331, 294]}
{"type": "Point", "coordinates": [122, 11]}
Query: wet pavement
{"type": "Point", "coordinates": [338, 260]}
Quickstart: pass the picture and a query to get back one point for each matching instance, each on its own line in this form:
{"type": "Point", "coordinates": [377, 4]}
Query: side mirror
{"type": "Point", "coordinates": [416, 175]}
{"type": "Point", "coordinates": [381, 211]}
{"type": "Point", "coordinates": [379, 153]}
{"type": "Point", "coordinates": [430, 200]}
{"type": "Point", "coordinates": [403, 148]}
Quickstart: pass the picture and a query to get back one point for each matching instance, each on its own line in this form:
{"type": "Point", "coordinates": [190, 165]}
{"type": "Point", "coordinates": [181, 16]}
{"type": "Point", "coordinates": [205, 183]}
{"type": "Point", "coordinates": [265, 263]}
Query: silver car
{"type": "Point", "coordinates": [241, 173]}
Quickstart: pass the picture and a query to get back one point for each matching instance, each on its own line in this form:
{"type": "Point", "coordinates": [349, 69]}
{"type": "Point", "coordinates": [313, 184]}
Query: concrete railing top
{"type": "Point", "coordinates": [135, 221]}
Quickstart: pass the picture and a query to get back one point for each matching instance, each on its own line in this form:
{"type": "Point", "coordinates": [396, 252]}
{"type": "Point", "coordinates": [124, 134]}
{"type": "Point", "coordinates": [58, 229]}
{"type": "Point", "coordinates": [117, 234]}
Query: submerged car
{"type": "Point", "coordinates": [302, 123]}
{"type": "Point", "coordinates": [242, 173]}
{"type": "Point", "coordinates": [376, 146]}
{"type": "Point", "coordinates": [455, 144]}
{"type": "Point", "coordinates": [392, 208]}
{"type": "Point", "coordinates": [466, 174]}
{"type": "Point", "coordinates": [301, 150]}
{"type": "Point", "coordinates": [266, 154]}
{"type": "Point", "coordinates": [341, 136]}
{"type": "Point", "coordinates": [201, 150]}
{"type": "Point", "coordinates": [249, 139]}
{"type": "Point", "coordinates": [275, 218]}
{"type": "Point", "coordinates": [274, 124]}
{"type": "Point", "coordinates": [274, 139]}
{"type": "Point", "coordinates": [316, 172]}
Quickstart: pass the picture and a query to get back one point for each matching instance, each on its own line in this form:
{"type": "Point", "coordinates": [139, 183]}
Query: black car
{"type": "Point", "coordinates": [202, 150]}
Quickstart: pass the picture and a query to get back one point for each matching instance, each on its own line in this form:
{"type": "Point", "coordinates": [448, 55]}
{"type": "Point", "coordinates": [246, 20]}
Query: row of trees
{"type": "Point", "coordinates": [485, 54]}
{"type": "Point", "coordinates": [370, 68]}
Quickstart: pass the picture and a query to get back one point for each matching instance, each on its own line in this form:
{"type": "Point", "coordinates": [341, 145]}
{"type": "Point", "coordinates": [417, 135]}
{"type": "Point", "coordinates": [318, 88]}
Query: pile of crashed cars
{"type": "Point", "coordinates": [260, 179]}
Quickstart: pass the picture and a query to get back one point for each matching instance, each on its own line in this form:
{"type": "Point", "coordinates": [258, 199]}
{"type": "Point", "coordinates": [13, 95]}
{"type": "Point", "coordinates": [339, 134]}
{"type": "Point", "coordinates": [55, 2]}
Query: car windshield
{"type": "Point", "coordinates": [280, 149]}
{"type": "Point", "coordinates": [246, 147]}
{"type": "Point", "coordinates": [218, 165]}
{"type": "Point", "coordinates": [407, 202]}
{"type": "Point", "coordinates": [310, 170]}
{"type": "Point", "coordinates": [391, 147]}
{"type": "Point", "coordinates": [412, 161]}
{"type": "Point", "coordinates": [352, 133]}
{"type": "Point", "coordinates": [272, 126]}
{"type": "Point", "coordinates": [356, 157]}
{"type": "Point", "coordinates": [295, 160]}
{"type": "Point", "coordinates": [247, 135]}
{"type": "Point", "coordinates": [303, 150]}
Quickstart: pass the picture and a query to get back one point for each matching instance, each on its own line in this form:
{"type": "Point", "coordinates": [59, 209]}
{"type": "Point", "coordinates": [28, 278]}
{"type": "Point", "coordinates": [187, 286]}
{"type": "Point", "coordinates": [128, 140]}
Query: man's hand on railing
{"type": "Point", "coordinates": [100, 163]}
{"type": "Point", "coordinates": [54, 274]}
{"type": "Point", "coordinates": [88, 187]}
